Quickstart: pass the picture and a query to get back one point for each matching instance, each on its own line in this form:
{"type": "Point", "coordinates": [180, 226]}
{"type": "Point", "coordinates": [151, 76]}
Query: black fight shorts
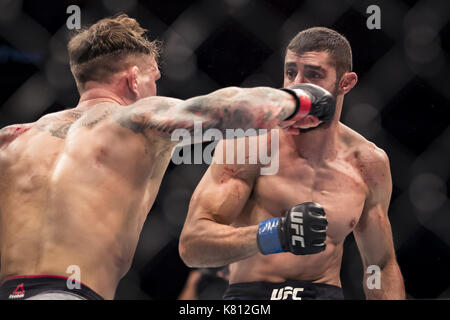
{"type": "Point", "coordinates": [288, 290]}
{"type": "Point", "coordinates": [44, 287]}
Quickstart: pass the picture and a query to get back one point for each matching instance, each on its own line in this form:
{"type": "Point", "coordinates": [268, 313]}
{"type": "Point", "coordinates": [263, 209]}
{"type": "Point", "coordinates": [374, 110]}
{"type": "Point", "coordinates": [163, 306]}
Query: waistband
{"type": "Point", "coordinates": [287, 290]}
{"type": "Point", "coordinates": [25, 286]}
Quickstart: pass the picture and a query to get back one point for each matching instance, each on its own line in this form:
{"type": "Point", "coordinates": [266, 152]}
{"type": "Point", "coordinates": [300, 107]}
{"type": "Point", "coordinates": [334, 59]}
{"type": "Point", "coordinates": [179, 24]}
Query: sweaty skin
{"type": "Point", "coordinates": [331, 165]}
{"type": "Point", "coordinates": [77, 185]}
{"type": "Point", "coordinates": [336, 183]}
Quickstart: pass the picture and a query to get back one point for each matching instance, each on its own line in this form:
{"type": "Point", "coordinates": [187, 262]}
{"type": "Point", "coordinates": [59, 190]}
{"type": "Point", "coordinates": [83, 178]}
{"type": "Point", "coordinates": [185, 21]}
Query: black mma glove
{"type": "Point", "coordinates": [302, 230]}
{"type": "Point", "coordinates": [311, 100]}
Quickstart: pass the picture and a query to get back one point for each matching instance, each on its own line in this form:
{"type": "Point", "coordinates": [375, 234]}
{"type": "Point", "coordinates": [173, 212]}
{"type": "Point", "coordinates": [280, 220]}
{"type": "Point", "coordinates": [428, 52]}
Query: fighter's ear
{"type": "Point", "coordinates": [347, 82]}
{"type": "Point", "coordinates": [307, 122]}
{"type": "Point", "coordinates": [132, 80]}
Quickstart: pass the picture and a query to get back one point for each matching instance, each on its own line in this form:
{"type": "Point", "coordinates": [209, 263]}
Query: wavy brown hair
{"type": "Point", "coordinates": [107, 47]}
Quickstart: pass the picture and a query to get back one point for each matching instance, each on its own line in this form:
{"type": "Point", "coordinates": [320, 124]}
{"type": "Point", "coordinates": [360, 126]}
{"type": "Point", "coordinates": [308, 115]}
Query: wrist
{"type": "Point", "coordinates": [268, 239]}
{"type": "Point", "coordinates": [294, 104]}
{"type": "Point", "coordinates": [302, 101]}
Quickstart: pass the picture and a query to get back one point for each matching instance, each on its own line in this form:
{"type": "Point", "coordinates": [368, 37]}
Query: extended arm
{"type": "Point", "coordinates": [374, 236]}
{"type": "Point", "coordinates": [225, 108]}
{"type": "Point", "coordinates": [229, 108]}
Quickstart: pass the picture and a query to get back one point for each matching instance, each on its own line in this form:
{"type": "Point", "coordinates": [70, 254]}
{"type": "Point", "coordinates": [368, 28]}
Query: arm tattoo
{"type": "Point", "coordinates": [229, 108]}
{"type": "Point", "coordinates": [138, 119]}
{"type": "Point", "coordinates": [133, 124]}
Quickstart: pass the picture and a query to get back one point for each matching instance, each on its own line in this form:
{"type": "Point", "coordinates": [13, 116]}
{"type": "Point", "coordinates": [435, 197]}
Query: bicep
{"type": "Point", "coordinates": [221, 194]}
{"type": "Point", "coordinates": [226, 186]}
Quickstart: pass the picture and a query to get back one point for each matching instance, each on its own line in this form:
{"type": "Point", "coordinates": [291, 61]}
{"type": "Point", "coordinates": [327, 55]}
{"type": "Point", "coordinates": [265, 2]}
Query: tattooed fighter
{"type": "Point", "coordinates": [76, 185]}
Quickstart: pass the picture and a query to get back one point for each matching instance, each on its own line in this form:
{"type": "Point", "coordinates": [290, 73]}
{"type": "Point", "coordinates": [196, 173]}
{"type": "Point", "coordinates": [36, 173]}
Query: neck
{"type": "Point", "coordinates": [318, 144]}
{"type": "Point", "coordinates": [94, 96]}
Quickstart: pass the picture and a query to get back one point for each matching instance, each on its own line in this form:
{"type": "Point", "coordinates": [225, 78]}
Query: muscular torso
{"type": "Point", "coordinates": [75, 189]}
{"type": "Point", "coordinates": [336, 183]}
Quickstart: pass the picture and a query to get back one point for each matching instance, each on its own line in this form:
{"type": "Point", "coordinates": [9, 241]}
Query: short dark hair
{"type": "Point", "coordinates": [324, 39]}
{"type": "Point", "coordinates": [99, 51]}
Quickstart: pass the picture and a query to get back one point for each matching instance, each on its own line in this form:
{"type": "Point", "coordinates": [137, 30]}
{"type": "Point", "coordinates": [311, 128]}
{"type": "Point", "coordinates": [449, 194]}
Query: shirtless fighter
{"type": "Point", "coordinates": [77, 185]}
{"type": "Point", "coordinates": [283, 234]}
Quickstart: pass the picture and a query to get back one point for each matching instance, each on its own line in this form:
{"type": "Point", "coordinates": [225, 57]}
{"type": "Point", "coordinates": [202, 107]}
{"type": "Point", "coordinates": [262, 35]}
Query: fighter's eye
{"type": "Point", "coordinates": [291, 73]}
{"type": "Point", "coordinates": [313, 75]}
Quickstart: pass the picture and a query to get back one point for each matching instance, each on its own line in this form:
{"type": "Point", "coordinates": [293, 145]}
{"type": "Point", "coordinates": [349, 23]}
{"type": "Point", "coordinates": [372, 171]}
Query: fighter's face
{"type": "Point", "coordinates": [310, 67]}
{"type": "Point", "coordinates": [147, 77]}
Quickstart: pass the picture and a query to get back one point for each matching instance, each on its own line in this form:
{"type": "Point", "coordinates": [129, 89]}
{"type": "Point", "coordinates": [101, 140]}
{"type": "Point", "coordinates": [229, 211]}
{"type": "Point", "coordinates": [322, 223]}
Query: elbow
{"type": "Point", "coordinates": [384, 262]}
{"type": "Point", "coordinates": [185, 249]}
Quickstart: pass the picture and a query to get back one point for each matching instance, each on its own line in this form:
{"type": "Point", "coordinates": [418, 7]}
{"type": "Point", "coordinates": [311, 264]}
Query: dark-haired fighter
{"type": "Point", "coordinates": [283, 234]}
{"type": "Point", "coordinates": [76, 185]}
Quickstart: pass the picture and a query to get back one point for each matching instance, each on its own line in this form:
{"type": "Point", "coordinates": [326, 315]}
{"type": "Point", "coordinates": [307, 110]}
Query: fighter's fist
{"type": "Point", "coordinates": [311, 100]}
{"type": "Point", "coordinates": [302, 230]}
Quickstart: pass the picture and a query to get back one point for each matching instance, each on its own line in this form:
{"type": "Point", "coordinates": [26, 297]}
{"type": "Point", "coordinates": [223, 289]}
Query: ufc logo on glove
{"type": "Point", "coordinates": [301, 230]}
{"type": "Point", "coordinates": [297, 225]}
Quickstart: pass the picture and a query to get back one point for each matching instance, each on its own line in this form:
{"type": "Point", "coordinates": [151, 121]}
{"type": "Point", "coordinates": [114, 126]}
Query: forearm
{"type": "Point", "coordinates": [391, 286]}
{"type": "Point", "coordinates": [213, 245]}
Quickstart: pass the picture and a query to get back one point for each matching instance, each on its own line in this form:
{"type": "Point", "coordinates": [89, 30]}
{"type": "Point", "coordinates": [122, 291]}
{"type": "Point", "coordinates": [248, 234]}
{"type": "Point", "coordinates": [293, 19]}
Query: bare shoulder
{"type": "Point", "coordinates": [152, 106]}
{"type": "Point", "coordinates": [234, 158]}
{"type": "Point", "coordinates": [372, 161]}
{"type": "Point", "coordinates": [14, 127]}
{"type": "Point", "coordinates": [58, 123]}
{"type": "Point", "coordinates": [141, 116]}
{"type": "Point", "coordinates": [9, 133]}
{"type": "Point", "coordinates": [55, 123]}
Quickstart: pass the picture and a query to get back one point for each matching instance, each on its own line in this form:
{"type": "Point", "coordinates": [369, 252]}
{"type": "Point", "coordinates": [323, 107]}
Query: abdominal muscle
{"type": "Point", "coordinates": [323, 267]}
